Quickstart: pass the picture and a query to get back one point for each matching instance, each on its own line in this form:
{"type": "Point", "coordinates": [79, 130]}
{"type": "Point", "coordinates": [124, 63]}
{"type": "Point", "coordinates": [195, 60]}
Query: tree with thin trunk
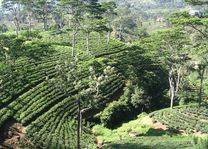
{"type": "Point", "coordinates": [86, 97]}
{"type": "Point", "coordinates": [93, 19]}
{"type": "Point", "coordinates": [198, 48]}
{"type": "Point", "coordinates": [124, 23]}
{"type": "Point", "coordinates": [28, 6]}
{"type": "Point", "coordinates": [200, 65]}
{"type": "Point", "coordinates": [109, 15]}
{"type": "Point", "coordinates": [58, 16]}
{"type": "Point", "coordinates": [12, 47]}
{"type": "Point", "coordinates": [172, 46]}
{"type": "Point", "coordinates": [197, 24]}
{"type": "Point", "coordinates": [43, 9]}
{"type": "Point", "coordinates": [14, 7]}
{"type": "Point", "coordinates": [74, 8]}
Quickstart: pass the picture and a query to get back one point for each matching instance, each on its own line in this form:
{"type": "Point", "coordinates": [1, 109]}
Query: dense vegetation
{"type": "Point", "coordinates": [74, 73]}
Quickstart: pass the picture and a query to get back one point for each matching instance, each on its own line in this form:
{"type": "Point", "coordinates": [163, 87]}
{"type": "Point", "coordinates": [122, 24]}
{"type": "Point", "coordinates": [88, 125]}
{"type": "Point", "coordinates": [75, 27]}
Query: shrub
{"type": "Point", "coordinates": [32, 34]}
{"type": "Point", "coordinates": [116, 112]}
{"type": "Point", "coordinates": [200, 143]}
{"type": "Point", "coordinates": [3, 28]}
{"type": "Point", "coordinates": [38, 49]}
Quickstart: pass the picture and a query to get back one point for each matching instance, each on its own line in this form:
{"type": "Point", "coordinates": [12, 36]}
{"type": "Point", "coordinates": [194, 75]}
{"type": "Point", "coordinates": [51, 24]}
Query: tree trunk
{"type": "Point", "coordinates": [99, 40]}
{"type": "Point", "coordinates": [74, 41]}
{"type": "Point", "coordinates": [16, 23]}
{"type": "Point", "coordinates": [7, 58]}
{"type": "Point", "coordinates": [45, 19]}
{"type": "Point", "coordinates": [73, 44]}
{"type": "Point", "coordinates": [201, 84]}
{"type": "Point", "coordinates": [172, 97]}
{"type": "Point", "coordinates": [120, 34]}
{"type": "Point", "coordinates": [87, 40]}
{"type": "Point", "coordinates": [45, 23]}
{"type": "Point", "coordinates": [61, 22]}
{"type": "Point", "coordinates": [108, 39]}
{"type": "Point", "coordinates": [172, 88]}
{"type": "Point", "coordinates": [79, 118]}
{"type": "Point", "coordinates": [30, 21]}
{"type": "Point", "coordinates": [178, 82]}
{"type": "Point", "coordinates": [16, 19]}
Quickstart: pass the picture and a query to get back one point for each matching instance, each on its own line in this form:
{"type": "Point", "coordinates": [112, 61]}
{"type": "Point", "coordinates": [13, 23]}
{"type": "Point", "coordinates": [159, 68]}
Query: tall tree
{"type": "Point", "coordinates": [74, 8]}
{"type": "Point", "coordinates": [199, 50]}
{"type": "Point", "coordinates": [93, 19]}
{"type": "Point", "coordinates": [196, 23]}
{"type": "Point", "coordinates": [28, 6]}
{"type": "Point", "coordinates": [58, 16]}
{"type": "Point", "coordinates": [125, 23]}
{"type": "Point", "coordinates": [14, 7]}
{"type": "Point", "coordinates": [12, 47]}
{"type": "Point", "coordinates": [109, 16]}
{"type": "Point", "coordinates": [198, 35]}
{"type": "Point", "coordinates": [172, 45]}
{"type": "Point", "coordinates": [69, 75]}
{"type": "Point", "coordinates": [43, 9]}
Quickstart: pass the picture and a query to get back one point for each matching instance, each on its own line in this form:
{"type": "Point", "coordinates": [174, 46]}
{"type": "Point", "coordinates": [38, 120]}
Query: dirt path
{"type": "Point", "coordinates": [149, 121]}
{"type": "Point", "coordinates": [13, 135]}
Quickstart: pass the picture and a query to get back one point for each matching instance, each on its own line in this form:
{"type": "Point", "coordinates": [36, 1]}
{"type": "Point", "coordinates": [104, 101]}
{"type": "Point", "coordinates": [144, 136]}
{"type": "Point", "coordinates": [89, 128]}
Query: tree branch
{"type": "Point", "coordinates": [194, 27]}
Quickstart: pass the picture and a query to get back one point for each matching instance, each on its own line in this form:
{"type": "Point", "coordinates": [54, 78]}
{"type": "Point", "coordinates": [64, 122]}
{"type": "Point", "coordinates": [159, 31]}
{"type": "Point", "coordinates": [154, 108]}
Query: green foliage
{"type": "Point", "coordinates": [31, 34]}
{"type": "Point", "coordinates": [2, 67]}
{"type": "Point", "coordinates": [3, 28]}
{"type": "Point", "coordinates": [200, 143]}
{"type": "Point", "coordinates": [159, 142]}
{"type": "Point", "coordinates": [38, 49]}
{"type": "Point", "coordinates": [137, 97]}
{"type": "Point", "coordinates": [123, 109]}
{"type": "Point", "coordinates": [108, 135]}
{"type": "Point", "coordinates": [197, 2]}
{"type": "Point", "coordinates": [11, 47]}
{"type": "Point", "coordinates": [117, 111]}
{"type": "Point", "coordinates": [114, 113]}
{"type": "Point", "coordinates": [148, 137]}
{"type": "Point", "coordinates": [37, 99]}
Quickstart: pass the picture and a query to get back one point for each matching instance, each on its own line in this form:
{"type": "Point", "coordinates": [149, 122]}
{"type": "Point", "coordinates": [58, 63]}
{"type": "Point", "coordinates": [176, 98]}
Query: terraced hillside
{"type": "Point", "coordinates": [191, 119]}
{"type": "Point", "coordinates": [98, 44]}
{"type": "Point", "coordinates": [29, 97]}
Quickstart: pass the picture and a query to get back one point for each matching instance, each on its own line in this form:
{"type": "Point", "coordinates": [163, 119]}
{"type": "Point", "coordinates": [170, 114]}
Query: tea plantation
{"type": "Point", "coordinates": [29, 95]}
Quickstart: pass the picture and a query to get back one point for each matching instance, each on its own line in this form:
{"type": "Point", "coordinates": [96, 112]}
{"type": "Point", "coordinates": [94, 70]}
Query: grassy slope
{"type": "Point", "coordinates": [148, 138]}
{"type": "Point", "coordinates": [190, 119]}
{"type": "Point", "coordinates": [153, 142]}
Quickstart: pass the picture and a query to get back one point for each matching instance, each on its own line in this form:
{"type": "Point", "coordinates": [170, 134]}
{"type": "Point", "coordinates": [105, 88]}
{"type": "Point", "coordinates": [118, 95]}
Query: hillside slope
{"type": "Point", "coordinates": [30, 96]}
{"type": "Point", "coordinates": [166, 128]}
{"type": "Point", "coordinates": [141, 133]}
{"type": "Point", "coordinates": [32, 93]}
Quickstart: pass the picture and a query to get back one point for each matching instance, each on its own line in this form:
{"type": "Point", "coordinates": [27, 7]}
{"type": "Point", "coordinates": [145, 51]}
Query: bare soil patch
{"type": "Point", "coordinates": [149, 121]}
{"type": "Point", "coordinates": [13, 135]}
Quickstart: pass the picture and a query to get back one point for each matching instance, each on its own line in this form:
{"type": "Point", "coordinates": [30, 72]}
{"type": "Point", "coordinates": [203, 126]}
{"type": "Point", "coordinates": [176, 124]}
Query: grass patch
{"type": "Point", "coordinates": [161, 142]}
{"type": "Point", "coordinates": [107, 135]}
{"type": "Point", "coordinates": [145, 137]}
